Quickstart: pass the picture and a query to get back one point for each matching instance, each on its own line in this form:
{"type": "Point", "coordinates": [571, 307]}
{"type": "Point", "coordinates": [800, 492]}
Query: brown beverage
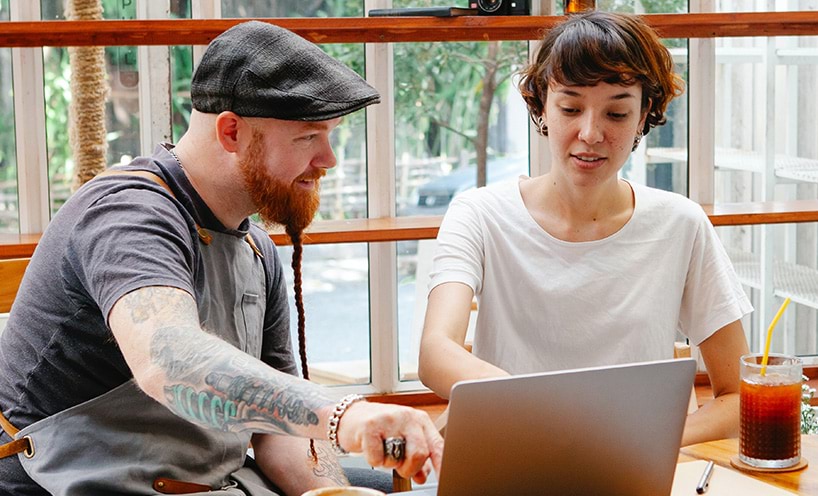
{"type": "Point", "coordinates": [575, 6]}
{"type": "Point", "coordinates": [770, 415]}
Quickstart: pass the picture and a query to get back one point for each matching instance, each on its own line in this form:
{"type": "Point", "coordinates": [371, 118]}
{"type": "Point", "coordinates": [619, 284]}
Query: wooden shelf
{"type": "Point", "coordinates": [388, 29]}
{"type": "Point", "coordinates": [771, 212]}
{"type": "Point", "coordinates": [426, 227]}
{"type": "Point", "coordinates": [366, 230]}
{"type": "Point", "coordinates": [18, 245]}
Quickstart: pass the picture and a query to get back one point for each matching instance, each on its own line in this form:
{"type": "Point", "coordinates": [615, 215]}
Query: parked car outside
{"type": "Point", "coordinates": [433, 197]}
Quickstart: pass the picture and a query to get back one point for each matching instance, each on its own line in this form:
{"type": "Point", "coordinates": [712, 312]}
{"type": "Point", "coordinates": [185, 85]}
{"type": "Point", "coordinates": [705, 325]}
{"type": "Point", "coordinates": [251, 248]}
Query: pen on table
{"type": "Point", "coordinates": [704, 482]}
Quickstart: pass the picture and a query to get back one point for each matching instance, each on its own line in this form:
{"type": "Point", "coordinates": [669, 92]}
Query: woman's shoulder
{"type": "Point", "coordinates": [667, 204]}
{"type": "Point", "coordinates": [502, 194]}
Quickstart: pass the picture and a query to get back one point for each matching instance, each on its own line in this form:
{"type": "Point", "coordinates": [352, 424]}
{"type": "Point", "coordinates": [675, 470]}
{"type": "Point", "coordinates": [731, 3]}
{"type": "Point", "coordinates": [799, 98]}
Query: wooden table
{"type": "Point", "coordinates": [801, 482]}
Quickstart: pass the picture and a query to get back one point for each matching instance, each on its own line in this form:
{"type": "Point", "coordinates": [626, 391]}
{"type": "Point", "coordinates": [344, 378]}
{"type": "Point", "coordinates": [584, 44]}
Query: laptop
{"type": "Point", "coordinates": [593, 431]}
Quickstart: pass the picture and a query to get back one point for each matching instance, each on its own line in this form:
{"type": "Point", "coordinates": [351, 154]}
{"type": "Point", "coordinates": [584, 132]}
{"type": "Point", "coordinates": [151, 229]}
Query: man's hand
{"type": "Point", "coordinates": [364, 427]}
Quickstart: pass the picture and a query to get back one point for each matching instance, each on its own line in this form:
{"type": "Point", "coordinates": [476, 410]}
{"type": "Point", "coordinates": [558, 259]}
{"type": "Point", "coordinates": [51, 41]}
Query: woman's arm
{"type": "Point", "coordinates": [443, 359]}
{"type": "Point", "coordinates": [719, 417]}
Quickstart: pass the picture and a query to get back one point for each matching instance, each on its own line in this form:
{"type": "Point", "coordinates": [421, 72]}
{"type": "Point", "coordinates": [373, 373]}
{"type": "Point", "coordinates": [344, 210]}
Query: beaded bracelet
{"type": "Point", "coordinates": [335, 420]}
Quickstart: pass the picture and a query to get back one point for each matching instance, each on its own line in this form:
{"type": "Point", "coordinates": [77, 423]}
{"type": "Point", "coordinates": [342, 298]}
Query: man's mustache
{"type": "Point", "coordinates": [312, 175]}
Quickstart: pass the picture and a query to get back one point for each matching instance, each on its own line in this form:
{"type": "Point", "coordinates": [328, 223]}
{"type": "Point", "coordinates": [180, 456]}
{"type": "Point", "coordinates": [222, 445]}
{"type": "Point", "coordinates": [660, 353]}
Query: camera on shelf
{"type": "Point", "coordinates": [501, 7]}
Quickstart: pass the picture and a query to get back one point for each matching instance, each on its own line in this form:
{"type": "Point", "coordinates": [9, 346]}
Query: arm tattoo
{"type": "Point", "coordinates": [328, 465]}
{"type": "Point", "coordinates": [155, 300]}
{"type": "Point", "coordinates": [215, 385]}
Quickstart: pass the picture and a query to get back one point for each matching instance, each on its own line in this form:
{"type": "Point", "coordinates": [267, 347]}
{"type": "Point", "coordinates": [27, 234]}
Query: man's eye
{"type": "Point", "coordinates": [569, 110]}
{"type": "Point", "coordinates": [618, 116]}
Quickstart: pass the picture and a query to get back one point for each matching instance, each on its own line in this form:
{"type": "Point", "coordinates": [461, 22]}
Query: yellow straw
{"type": "Point", "coordinates": [770, 335]}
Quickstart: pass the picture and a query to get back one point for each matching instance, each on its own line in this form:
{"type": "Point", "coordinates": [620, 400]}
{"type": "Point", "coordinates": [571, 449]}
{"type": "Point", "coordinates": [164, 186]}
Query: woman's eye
{"type": "Point", "coordinates": [618, 116]}
{"type": "Point", "coordinates": [569, 110]}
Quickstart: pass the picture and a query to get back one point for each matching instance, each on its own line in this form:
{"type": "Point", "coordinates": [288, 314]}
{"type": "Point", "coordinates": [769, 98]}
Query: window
{"type": "Point", "coordinates": [9, 220]}
{"type": "Point", "coordinates": [765, 150]}
{"type": "Point", "coordinates": [413, 152]}
{"type": "Point", "coordinates": [336, 276]}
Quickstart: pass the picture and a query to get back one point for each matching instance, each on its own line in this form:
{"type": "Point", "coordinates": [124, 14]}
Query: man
{"type": "Point", "coordinates": [149, 342]}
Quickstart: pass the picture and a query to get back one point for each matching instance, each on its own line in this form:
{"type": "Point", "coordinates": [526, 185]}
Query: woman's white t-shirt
{"type": "Point", "coordinates": [547, 304]}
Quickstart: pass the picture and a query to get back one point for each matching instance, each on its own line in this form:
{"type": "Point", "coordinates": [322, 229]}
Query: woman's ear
{"type": "Point", "coordinates": [644, 118]}
{"type": "Point", "coordinates": [228, 125]}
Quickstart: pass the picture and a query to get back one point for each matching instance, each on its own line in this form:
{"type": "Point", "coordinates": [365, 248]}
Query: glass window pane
{"type": "Point", "coordinates": [459, 123]}
{"type": "Point", "coordinates": [767, 150]}
{"type": "Point", "coordinates": [335, 282]}
{"type": "Point", "coordinates": [336, 276]}
{"type": "Point", "coordinates": [292, 8]}
{"type": "Point", "coordinates": [9, 216]}
{"type": "Point", "coordinates": [181, 67]}
{"type": "Point", "coordinates": [121, 109]}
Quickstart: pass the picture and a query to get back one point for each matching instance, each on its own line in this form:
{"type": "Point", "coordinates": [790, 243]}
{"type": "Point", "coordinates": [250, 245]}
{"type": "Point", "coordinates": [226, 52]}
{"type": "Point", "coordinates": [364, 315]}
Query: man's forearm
{"type": "Point", "coordinates": [288, 463]}
{"type": "Point", "coordinates": [213, 384]}
{"type": "Point", "coordinates": [203, 378]}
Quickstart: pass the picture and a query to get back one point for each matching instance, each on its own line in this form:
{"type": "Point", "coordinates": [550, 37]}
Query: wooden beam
{"type": "Point", "coordinates": [18, 245]}
{"type": "Point", "coordinates": [11, 273]}
{"type": "Point", "coordinates": [170, 32]}
{"type": "Point", "coordinates": [770, 212]}
{"type": "Point", "coordinates": [366, 230]}
{"type": "Point", "coordinates": [426, 227]}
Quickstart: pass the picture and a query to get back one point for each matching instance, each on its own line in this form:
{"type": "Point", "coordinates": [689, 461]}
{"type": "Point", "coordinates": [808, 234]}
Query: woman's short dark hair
{"type": "Point", "coordinates": [594, 47]}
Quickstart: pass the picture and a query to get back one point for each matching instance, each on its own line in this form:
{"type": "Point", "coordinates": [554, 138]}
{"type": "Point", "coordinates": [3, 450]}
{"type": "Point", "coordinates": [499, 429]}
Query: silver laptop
{"type": "Point", "coordinates": [594, 431]}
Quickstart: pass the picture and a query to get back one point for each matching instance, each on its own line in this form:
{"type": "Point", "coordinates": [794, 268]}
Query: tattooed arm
{"type": "Point", "coordinates": [296, 472]}
{"type": "Point", "coordinates": [204, 379]}
{"type": "Point", "coordinates": [207, 381]}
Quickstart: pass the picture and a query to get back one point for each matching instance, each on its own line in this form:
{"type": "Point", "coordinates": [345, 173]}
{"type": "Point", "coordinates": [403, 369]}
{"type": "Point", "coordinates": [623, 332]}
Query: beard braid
{"type": "Point", "coordinates": [295, 237]}
{"type": "Point", "coordinates": [288, 205]}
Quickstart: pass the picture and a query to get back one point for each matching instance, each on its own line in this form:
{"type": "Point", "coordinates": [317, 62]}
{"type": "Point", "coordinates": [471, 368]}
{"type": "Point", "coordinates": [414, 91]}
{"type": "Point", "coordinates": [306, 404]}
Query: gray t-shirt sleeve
{"type": "Point", "coordinates": [130, 239]}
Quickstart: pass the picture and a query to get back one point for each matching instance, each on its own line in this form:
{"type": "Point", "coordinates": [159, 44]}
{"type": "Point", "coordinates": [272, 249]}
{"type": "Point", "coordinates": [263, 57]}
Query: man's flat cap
{"type": "Point", "coordinates": [256, 69]}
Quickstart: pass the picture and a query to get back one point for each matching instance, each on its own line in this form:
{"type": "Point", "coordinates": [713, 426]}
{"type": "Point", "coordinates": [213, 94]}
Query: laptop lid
{"type": "Point", "coordinates": [602, 430]}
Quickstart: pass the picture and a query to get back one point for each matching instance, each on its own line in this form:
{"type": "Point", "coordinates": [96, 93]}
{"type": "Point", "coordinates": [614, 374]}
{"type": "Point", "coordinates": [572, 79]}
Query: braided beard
{"type": "Point", "coordinates": [280, 203]}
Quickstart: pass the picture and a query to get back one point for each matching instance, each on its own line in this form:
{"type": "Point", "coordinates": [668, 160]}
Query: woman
{"type": "Point", "coordinates": [578, 267]}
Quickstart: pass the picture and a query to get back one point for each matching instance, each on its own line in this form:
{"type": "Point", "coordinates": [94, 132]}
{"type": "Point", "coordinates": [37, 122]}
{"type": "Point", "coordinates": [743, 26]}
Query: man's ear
{"type": "Point", "coordinates": [228, 126]}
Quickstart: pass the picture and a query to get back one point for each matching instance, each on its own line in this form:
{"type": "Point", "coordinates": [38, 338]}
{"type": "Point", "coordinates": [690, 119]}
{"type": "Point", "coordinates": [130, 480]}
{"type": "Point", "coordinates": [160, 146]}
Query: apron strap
{"type": "Point", "coordinates": [165, 485]}
{"type": "Point", "coordinates": [24, 445]}
{"type": "Point", "coordinates": [204, 236]}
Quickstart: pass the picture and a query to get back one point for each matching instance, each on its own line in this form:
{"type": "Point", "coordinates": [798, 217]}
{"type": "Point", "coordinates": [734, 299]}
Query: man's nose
{"type": "Point", "coordinates": [326, 158]}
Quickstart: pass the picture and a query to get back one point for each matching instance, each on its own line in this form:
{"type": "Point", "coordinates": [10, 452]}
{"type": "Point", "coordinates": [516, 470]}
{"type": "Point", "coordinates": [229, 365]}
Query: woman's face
{"type": "Point", "coordinates": [591, 129]}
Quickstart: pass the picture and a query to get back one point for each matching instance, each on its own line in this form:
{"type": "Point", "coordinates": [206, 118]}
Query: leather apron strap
{"type": "Point", "coordinates": [204, 236]}
{"type": "Point", "coordinates": [23, 445]}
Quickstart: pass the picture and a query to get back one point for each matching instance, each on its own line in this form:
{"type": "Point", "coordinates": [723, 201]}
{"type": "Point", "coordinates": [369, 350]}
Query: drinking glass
{"type": "Point", "coordinates": [770, 422]}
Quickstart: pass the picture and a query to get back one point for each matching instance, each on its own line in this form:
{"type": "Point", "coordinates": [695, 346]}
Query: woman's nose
{"type": "Point", "coordinates": [590, 130]}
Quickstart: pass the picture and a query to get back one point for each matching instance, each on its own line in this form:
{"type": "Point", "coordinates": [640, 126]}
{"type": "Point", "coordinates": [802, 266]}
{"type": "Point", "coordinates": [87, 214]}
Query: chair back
{"type": "Point", "coordinates": [11, 274]}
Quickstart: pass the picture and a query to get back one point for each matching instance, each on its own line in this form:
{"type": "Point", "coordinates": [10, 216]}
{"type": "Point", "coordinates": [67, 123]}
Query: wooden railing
{"type": "Point", "coordinates": [411, 29]}
{"type": "Point", "coordinates": [389, 30]}
{"type": "Point", "coordinates": [426, 227]}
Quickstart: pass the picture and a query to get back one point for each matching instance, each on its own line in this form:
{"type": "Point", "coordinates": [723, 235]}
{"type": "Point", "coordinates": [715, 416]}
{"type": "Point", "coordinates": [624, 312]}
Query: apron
{"type": "Point", "coordinates": [124, 442]}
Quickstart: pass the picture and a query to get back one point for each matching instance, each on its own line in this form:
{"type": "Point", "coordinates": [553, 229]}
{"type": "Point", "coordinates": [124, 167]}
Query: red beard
{"type": "Point", "coordinates": [279, 202]}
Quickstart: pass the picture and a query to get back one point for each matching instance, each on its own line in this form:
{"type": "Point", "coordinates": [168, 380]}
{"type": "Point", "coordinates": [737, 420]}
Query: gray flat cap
{"type": "Point", "coordinates": [256, 69]}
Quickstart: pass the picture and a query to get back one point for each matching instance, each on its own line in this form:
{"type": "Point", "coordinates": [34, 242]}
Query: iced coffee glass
{"type": "Point", "coordinates": [343, 491]}
{"type": "Point", "coordinates": [770, 411]}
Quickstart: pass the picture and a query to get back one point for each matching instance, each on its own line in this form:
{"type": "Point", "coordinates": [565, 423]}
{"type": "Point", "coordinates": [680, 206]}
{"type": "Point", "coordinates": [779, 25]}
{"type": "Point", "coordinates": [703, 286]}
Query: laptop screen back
{"type": "Point", "coordinates": [605, 430]}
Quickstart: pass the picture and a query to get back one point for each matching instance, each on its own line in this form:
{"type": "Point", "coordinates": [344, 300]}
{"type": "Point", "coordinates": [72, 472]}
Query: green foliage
{"type": "Point", "coordinates": [57, 93]}
{"type": "Point", "coordinates": [809, 417]}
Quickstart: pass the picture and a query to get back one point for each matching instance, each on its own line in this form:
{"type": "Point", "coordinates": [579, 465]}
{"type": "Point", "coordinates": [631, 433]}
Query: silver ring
{"type": "Point", "coordinates": [394, 448]}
